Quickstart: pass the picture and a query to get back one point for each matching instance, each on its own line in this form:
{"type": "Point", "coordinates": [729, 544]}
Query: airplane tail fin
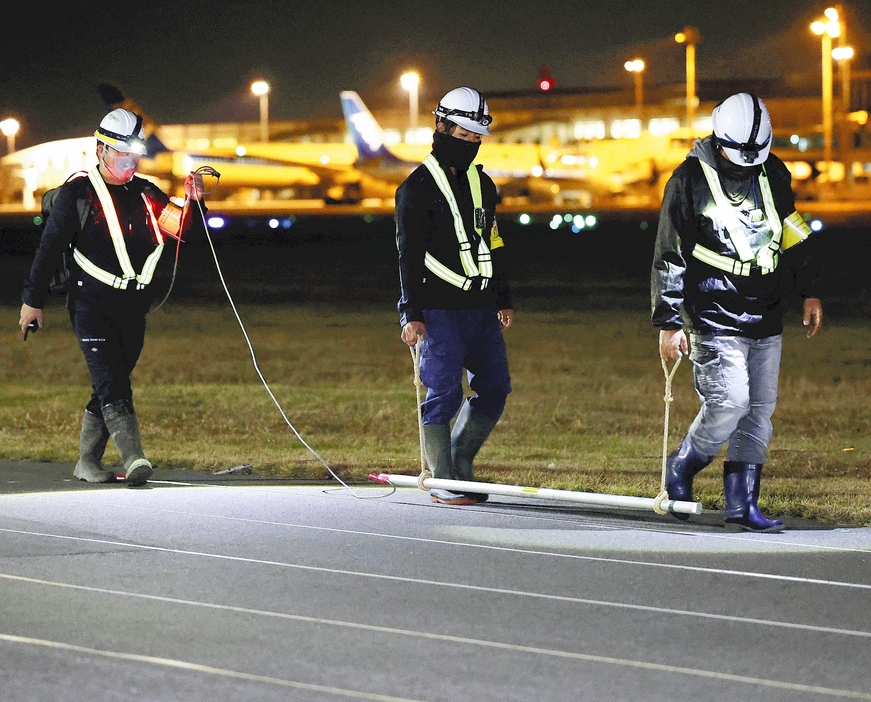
{"type": "Point", "coordinates": [113, 98]}
{"type": "Point", "coordinates": [367, 134]}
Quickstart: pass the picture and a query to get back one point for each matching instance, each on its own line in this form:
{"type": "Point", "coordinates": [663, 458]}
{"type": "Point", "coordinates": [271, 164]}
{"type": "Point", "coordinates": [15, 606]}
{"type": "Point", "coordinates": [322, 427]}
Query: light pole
{"type": "Point", "coordinates": [409, 82]}
{"type": "Point", "coordinates": [843, 54]}
{"type": "Point", "coordinates": [636, 68]}
{"type": "Point", "coordinates": [261, 89]}
{"type": "Point", "coordinates": [827, 28]}
{"type": "Point", "coordinates": [10, 128]}
{"type": "Point", "coordinates": [690, 36]}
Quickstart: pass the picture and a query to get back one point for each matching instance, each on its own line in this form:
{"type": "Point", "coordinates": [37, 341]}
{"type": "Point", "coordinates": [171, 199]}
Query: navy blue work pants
{"type": "Point", "coordinates": [457, 340]}
{"type": "Point", "coordinates": [111, 338]}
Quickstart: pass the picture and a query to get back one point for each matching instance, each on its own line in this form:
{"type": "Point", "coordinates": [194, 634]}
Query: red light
{"type": "Point", "coordinates": [545, 79]}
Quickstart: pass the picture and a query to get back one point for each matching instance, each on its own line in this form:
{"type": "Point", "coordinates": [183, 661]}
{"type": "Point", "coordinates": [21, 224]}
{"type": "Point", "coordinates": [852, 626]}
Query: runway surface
{"type": "Point", "coordinates": [200, 588]}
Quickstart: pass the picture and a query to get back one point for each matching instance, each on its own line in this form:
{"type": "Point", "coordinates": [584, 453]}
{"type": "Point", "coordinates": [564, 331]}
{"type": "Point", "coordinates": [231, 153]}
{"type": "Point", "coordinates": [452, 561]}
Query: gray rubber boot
{"type": "Point", "coordinates": [92, 445]}
{"type": "Point", "coordinates": [470, 431]}
{"type": "Point", "coordinates": [437, 448]}
{"type": "Point", "coordinates": [123, 424]}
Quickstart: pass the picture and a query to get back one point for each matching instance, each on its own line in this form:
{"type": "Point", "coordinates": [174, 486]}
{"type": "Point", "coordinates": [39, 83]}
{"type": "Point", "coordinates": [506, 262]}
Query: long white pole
{"type": "Point", "coordinates": [588, 498]}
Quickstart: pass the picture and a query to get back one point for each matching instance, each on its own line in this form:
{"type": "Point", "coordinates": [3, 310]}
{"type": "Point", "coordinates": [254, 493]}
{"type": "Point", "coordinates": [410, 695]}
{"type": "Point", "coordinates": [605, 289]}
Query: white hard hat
{"type": "Point", "coordinates": [122, 130]}
{"type": "Point", "coordinates": [467, 108]}
{"type": "Point", "coordinates": [743, 129]}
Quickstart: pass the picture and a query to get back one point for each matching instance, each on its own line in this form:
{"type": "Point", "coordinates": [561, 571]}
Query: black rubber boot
{"type": "Point", "coordinates": [92, 445]}
{"type": "Point", "coordinates": [680, 469]}
{"type": "Point", "coordinates": [123, 424]}
{"type": "Point", "coordinates": [437, 448]}
{"type": "Point", "coordinates": [741, 489]}
{"type": "Point", "coordinates": [470, 431]}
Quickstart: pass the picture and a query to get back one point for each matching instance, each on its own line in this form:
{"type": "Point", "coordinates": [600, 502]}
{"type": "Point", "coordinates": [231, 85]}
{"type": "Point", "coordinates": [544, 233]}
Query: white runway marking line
{"type": "Point", "coordinates": [659, 667]}
{"type": "Point", "coordinates": [445, 542]}
{"type": "Point", "coordinates": [471, 588]}
{"type": "Point", "coordinates": [583, 520]}
{"type": "Point", "coordinates": [197, 668]}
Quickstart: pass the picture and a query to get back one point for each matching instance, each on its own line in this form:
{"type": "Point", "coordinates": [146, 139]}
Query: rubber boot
{"type": "Point", "coordinates": [680, 469]}
{"type": "Point", "coordinates": [92, 445]}
{"type": "Point", "coordinates": [437, 448]}
{"type": "Point", "coordinates": [741, 489]}
{"type": "Point", "coordinates": [470, 431]}
{"type": "Point", "coordinates": [123, 424]}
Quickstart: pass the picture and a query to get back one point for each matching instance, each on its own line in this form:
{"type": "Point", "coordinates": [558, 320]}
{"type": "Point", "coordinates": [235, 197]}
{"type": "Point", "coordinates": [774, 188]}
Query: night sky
{"type": "Point", "coordinates": [193, 61]}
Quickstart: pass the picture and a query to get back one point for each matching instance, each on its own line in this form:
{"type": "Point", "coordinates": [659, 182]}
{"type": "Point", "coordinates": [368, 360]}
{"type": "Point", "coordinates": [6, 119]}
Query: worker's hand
{"type": "Point", "coordinates": [813, 316]}
{"type": "Point", "coordinates": [506, 319]}
{"type": "Point", "coordinates": [193, 186]}
{"type": "Point", "coordinates": [413, 332]}
{"type": "Point", "coordinates": [672, 344]}
{"type": "Point", "coordinates": [28, 314]}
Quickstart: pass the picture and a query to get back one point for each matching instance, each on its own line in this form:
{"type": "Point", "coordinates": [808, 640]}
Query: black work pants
{"type": "Point", "coordinates": [111, 335]}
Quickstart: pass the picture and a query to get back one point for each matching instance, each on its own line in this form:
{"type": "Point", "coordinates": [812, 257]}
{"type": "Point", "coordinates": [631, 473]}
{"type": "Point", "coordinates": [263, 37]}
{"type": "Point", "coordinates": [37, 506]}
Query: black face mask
{"type": "Point", "coordinates": [453, 152]}
{"type": "Point", "coordinates": [733, 171]}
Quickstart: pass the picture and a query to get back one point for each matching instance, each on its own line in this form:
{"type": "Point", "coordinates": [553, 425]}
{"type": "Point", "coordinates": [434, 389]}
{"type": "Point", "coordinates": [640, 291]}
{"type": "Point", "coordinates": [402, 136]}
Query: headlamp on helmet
{"type": "Point", "coordinates": [467, 108]}
{"type": "Point", "coordinates": [122, 130]}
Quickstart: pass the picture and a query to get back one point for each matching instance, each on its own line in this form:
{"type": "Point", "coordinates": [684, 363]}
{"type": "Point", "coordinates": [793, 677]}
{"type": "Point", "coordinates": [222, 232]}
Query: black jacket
{"type": "Point", "coordinates": [94, 241]}
{"type": "Point", "coordinates": [713, 301]}
{"type": "Point", "coordinates": [424, 224]}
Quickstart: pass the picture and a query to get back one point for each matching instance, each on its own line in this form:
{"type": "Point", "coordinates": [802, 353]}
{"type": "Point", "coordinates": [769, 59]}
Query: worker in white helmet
{"type": "Point", "coordinates": [110, 218]}
{"type": "Point", "coordinates": [725, 258]}
{"type": "Point", "coordinates": [455, 300]}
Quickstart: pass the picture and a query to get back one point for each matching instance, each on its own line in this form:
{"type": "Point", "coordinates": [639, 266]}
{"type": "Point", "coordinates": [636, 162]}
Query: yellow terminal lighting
{"type": "Point", "coordinates": [827, 28]}
{"type": "Point", "coordinates": [10, 128]}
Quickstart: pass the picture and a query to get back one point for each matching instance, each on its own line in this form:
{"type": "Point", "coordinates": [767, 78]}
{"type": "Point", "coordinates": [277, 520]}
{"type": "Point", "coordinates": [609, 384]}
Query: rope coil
{"type": "Point", "coordinates": [667, 398]}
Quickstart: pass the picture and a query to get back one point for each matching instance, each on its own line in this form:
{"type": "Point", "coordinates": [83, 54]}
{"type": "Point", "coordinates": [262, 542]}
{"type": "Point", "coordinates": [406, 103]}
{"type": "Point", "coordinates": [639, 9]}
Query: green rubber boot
{"type": "Point", "coordinates": [92, 445]}
{"type": "Point", "coordinates": [470, 431]}
{"type": "Point", "coordinates": [437, 448]}
{"type": "Point", "coordinates": [123, 424]}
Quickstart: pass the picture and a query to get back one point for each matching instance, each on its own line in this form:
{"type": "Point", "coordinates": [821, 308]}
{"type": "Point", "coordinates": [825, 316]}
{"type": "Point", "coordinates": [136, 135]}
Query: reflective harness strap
{"type": "Point", "coordinates": [128, 274]}
{"type": "Point", "coordinates": [767, 258]}
{"type": "Point", "coordinates": [484, 268]}
{"type": "Point", "coordinates": [731, 265]}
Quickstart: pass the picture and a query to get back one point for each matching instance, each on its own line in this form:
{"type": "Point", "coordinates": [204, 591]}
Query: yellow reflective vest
{"type": "Point", "coordinates": [483, 269]}
{"type": "Point", "coordinates": [784, 235]}
{"type": "Point", "coordinates": [128, 274]}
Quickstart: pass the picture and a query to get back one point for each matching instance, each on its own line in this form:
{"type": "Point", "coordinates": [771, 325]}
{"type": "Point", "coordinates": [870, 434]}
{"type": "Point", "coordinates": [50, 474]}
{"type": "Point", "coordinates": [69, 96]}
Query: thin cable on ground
{"type": "Point", "coordinates": [260, 374]}
{"type": "Point", "coordinates": [668, 398]}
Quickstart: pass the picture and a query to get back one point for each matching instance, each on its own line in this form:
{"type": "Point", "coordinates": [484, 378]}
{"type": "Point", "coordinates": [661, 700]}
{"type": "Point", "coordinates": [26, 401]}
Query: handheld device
{"type": "Point", "coordinates": [32, 327]}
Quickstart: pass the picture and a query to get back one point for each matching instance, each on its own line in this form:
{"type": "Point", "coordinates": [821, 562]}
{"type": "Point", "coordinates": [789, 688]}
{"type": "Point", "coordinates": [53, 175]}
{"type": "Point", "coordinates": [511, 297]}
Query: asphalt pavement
{"type": "Point", "coordinates": [237, 587]}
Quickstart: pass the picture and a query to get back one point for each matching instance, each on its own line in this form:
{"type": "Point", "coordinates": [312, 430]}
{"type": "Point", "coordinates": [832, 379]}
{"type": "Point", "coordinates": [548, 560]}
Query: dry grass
{"type": "Point", "coordinates": [586, 411]}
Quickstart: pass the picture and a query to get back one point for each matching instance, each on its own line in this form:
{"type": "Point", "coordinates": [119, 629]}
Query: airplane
{"type": "Point", "coordinates": [516, 169]}
{"type": "Point", "coordinates": [245, 175]}
{"type": "Point", "coordinates": [365, 171]}
{"type": "Point", "coordinates": [625, 168]}
{"type": "Point", "coordinates": [331, 172]}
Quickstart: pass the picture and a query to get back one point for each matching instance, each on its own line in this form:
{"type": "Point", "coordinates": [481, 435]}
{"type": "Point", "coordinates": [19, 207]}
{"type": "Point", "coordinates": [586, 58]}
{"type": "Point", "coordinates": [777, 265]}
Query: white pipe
{"type": "Point", "coordinates": [588, 498]}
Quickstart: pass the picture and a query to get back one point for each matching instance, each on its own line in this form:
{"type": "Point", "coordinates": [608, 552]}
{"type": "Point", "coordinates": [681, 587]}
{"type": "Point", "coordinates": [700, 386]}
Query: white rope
{"type": "Point", "coordinates": [260, 375]}
{"type": "Point", "coordinates": [667, 398]}
{"type": "Point", "coordinates": [424, 471]}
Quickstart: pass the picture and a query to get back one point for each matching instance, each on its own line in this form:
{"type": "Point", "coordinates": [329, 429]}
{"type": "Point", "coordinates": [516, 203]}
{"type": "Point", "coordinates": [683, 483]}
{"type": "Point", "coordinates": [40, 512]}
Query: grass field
{"type": "Point", "coordinates": [586, 412]}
